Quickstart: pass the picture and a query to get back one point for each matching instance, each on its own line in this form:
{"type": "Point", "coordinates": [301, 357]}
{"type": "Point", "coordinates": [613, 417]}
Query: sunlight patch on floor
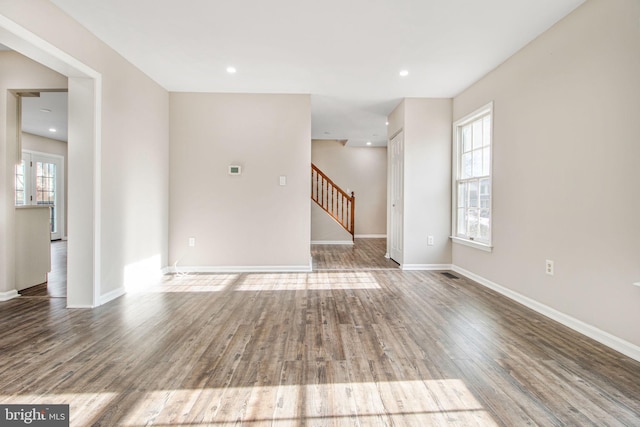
{"type": "Point", "coordinates": [308, 281]}
{"type": "Point", "coordinates": [195, 283]}
{"type": "Point", "coordinates": [428, 402]}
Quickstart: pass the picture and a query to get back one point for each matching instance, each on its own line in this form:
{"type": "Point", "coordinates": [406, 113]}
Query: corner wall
{"type": "Point", "coordinates": [130, 171]}
{"type": "Point", "coordinates": [565, 169]}
{"type": "Point", "coordinates": [249, 221]}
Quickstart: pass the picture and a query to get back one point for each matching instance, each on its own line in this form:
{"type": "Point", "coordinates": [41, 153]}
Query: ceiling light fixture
{"type": "Point", "coordinates": [231, 70]}
{"type": "Point", "coordinates": [368, 142]}
{"type": "Point", "coordinates": [45, 110]}
{"type": "Point", "coordinates": [404, 73]}
{"type": "Point", "coordinates": [386, 123]}
{"type": "Point", "coordinates": [52, 130]}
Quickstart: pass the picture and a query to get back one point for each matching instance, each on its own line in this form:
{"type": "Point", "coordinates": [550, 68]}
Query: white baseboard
{"type": "Point", "coordinates": [242, 269]}
{"type": "Point", "coordinates": [332, 242]}
{"type": "Point", "coordinates": [371, 236]}
{"type": "Point", "coordinates": [611, 341]}
{"type": "Point", "coordinates": [110, 296]}
{"type": "Point", "coordinates": [80, 306]}
{"type": "Point", "coordinates": [425, 267]}
{"type": "Point", "coordinates": [165, 271]}
{"type": "Point", "coordinates": [6, 296]}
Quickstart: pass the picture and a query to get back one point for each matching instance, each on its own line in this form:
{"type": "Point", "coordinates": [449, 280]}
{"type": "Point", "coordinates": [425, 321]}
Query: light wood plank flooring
{"type": "Point", "coordinates": [329, 348]}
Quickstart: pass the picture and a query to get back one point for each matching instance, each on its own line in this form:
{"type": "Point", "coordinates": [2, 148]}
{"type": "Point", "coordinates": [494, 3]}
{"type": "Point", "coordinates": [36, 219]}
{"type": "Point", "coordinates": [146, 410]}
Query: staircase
{"type": "Point", "coordinates": [333, 200]}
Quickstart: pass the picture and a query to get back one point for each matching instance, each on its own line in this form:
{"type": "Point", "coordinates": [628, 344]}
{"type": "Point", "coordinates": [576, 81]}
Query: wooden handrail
{"type": "Point", "coordinates": [340, 205]}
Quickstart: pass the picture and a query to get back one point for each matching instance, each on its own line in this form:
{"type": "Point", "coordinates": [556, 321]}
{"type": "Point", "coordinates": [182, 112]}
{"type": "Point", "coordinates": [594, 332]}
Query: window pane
{"type": "Point", "coordinates": [486, 130]}
{"type": "Point", "coordinates": [473, 194]}
{"type": "Point", "coordinates": [467, 165]}
{"type": "Point", "coordinates": [483, 232]}
{"type": "Point", "coordinates": [472, 222]}
{"type": "Point", "coordinates": [477, 134]}
{"type": "Point", "coordinates": [486, 161]}
{"type": "Point", "coordinates": [466, 138]}
{"type": "Point", "coordinates": [485, 194]}
{"type": "Point", "coordinates": [462, 221]}
{"type": "Point", "coordinates": [477, 163]}
{"type": "Point", "coordinates": [20, 193]}
{"type": "Point", "coordinates": [462, 195]}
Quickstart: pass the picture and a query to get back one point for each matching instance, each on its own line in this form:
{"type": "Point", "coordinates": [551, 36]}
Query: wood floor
{"type": "Point", "coordinates": [334, 347]}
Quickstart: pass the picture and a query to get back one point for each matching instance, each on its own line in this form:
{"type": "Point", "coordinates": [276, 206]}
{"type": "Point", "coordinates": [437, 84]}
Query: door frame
{"type": "Point", "coordinates": [84, 160]}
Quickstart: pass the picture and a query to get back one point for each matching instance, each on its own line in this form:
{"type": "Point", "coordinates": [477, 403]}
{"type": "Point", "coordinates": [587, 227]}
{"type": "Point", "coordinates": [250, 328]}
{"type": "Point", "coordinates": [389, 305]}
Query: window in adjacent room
{"type": "Point", "coordinates": [471, 222]}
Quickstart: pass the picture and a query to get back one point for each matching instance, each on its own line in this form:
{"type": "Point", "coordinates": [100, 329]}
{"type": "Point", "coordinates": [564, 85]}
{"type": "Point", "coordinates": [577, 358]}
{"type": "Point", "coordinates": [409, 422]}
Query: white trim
{"type": "Point", "coordinates": [110, 296]}
{"type": "Point", "coordinates": [472, 244]}
{"type": "Point", "coordinates": [81, 306]}
{"type": "Point", "coordinates": [242, 269]}
{"type": "Point", "coordinates": [6, 296]}
{"type": "Point", "coordinates": [332, 242]}
{"type": "Point", "coordinates": [636, 284]}
{"type": "Point", "coordinates": [611, 341]}
{"type": "Point", "coordinates": [425, 267]}
{"type": "Point", "coordinates": [32, 46]}
{"type": "Point", "coordinates": [371, 236]}
{"type": "Point", "coordinates": [165, 270]}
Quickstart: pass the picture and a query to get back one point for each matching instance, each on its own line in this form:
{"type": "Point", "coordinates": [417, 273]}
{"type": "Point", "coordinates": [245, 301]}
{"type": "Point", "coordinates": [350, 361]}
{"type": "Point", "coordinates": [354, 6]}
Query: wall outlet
{"type": "Point", "coordinates": [430, 240]}
{"type": "Point", "coordinates": [192, 242]}
{"type": "Point", "coordinates": [548, 267]}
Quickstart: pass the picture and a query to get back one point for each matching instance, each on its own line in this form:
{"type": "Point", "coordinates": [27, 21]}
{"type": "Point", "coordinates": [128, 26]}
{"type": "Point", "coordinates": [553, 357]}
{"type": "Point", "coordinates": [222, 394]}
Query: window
{"type": "Point", "coordinates": [471, 213]}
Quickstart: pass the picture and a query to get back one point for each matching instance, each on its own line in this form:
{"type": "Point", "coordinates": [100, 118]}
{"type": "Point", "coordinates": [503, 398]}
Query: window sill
{"type": "Point", "coordinates": [472, 244]}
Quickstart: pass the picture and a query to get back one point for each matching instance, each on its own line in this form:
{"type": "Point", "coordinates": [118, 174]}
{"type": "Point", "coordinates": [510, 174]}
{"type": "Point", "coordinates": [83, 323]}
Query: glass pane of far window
{"type": "Point", "coordinates": [462, 221]}
{"type": "Point", "coordinates": [466, 138]}
{"type": "Point", "coordinates": [486, 161]}
{"type": "Point", "coordinates": [462, 194]}
{"type": "Point", "coordinates": [477, 163]}
{"type": "Point", "coordinates": [467, 170]}
{"type": "Point", "coordinates": [477, 134]}
{"type": "Point", "coordinates": [20, 191]}
{"type": "Point", "coordinates": [486, 130]}
{"type": "Point", "coordinates": [484, 225]}
{"type": "Point", "coordinates": [472, 222]}
{"type": "Point", "coordinates": [473, 194]}
{"type": "Point", "coordinates": [485, 194]}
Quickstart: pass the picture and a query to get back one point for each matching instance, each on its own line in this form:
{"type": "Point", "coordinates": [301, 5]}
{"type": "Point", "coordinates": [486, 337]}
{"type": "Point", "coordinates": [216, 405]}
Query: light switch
{"type": "Point", "coordinates": [283, 180]}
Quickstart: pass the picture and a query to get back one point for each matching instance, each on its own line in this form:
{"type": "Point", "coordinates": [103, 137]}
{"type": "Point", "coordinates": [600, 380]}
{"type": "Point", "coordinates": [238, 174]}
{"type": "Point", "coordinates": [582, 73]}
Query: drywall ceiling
{"type": "Point", "coordinates": [46, 112]}
{"type": "Point", "coordinates": [346, 53]}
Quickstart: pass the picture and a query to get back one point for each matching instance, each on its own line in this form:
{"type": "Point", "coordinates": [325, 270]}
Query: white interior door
{"type": "Point", "coordinates": [39, 181]}
{"type": "Point", "coordinates": [396, 198]}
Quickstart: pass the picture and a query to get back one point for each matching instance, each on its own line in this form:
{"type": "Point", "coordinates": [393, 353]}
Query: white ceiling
{"type": "Point", "coordinates": [346, 53]}
{"type": "Point", "coordinates": [38, 121]}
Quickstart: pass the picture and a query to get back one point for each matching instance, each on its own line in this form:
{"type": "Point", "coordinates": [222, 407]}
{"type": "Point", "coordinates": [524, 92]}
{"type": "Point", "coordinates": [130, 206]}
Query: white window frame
{"type": "Point", "coordinates": [456, 170]}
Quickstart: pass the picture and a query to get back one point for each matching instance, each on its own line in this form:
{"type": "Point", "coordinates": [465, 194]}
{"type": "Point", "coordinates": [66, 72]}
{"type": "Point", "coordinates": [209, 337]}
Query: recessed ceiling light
{"type": "Point", "coordinates": [231, 70]}
{"type": "Point", "coordinates": [386, 123]}
{"type": "Point", "coordinates": [45, 110]}
{"type": "Point", "coordinates": [404, 73]}
{"type": "Point", "coordinates": [52, 130]}
{"type": "Point", "coordinates": [368, 142]}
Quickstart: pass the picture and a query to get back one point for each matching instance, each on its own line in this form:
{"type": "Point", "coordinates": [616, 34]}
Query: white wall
{"type": "Point", "coordinates": [565, 168]}
{"type": "Point", "coordinates": [362, 170]}
{"type": "Point", "coordinates": [247, 221]}
{"type": "Point", "coordinates": [132, 164]}
{"type": "Point", "coordinates": [16, 72]}
{"type": "Point", "coordinates": [50, 146]}
{"type": "Point", "coordinates": [426, 126]}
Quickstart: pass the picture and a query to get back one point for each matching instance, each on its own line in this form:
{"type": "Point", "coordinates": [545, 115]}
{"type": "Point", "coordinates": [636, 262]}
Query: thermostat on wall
{"type": "Point", "coordinates": [235, 170]}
